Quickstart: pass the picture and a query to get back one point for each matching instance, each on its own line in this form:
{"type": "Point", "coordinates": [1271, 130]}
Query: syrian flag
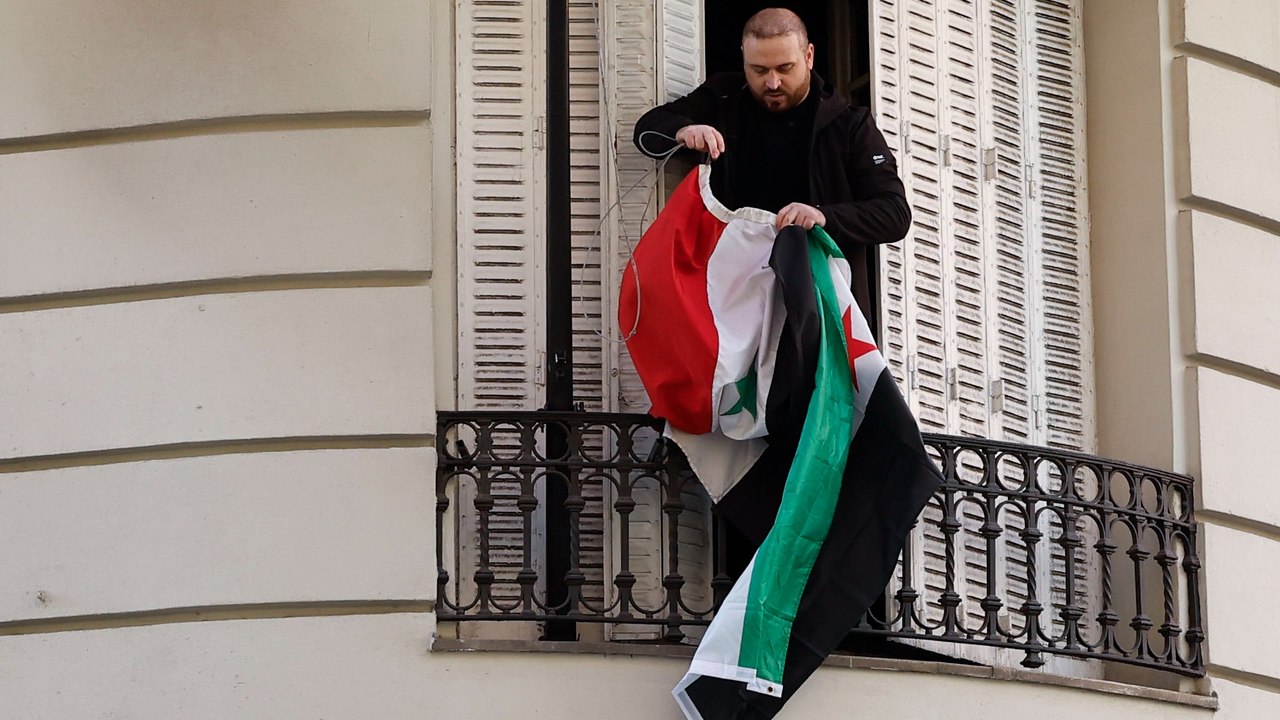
{"type": "Point", "coordinates": [751, 347]}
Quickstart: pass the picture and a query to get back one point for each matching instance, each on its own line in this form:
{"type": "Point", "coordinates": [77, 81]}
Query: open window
{"type": "Point", "coordinates": [983, 310]}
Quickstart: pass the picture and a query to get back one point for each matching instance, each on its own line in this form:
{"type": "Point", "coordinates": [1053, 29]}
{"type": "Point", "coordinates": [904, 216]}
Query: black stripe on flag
{"type": "Point", "coordinates": [886, 483]}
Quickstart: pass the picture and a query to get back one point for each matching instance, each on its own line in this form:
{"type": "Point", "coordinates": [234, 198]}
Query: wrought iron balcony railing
{"type": "Point", "coordinates": [1023, 549]}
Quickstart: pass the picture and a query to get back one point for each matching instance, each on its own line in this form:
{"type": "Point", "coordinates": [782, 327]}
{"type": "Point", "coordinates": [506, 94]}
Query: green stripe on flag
{"type": "Point", "coordinates": [787, 555]}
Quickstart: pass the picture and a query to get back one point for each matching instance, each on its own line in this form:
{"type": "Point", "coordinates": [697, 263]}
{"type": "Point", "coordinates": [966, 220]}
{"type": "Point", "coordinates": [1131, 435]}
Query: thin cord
{"type": "Point", "coordinates": [626, 236]}
{"type": "Point", "coordinates": [595, 241]}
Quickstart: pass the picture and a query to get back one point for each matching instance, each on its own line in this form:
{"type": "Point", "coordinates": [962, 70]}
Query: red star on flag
{"type": "Point", "coordinates": [857, 347]}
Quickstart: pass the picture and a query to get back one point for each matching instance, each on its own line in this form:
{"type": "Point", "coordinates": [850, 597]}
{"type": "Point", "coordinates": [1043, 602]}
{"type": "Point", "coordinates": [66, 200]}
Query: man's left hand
{"type": "Point", "coordinates": [806, 216]}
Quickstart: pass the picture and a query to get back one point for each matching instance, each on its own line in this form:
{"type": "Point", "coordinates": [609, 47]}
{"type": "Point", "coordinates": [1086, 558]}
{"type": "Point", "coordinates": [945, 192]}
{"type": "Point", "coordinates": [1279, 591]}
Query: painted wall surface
{"type": "Point", "coordinates": [218, 352]}
{"type": "Point", "coordinates": [226, 323]}
{"type": "Point", "coordinates": [378, 666]}
{"type": "Point", "coordinates": [1226, 103]}
{"type": "Point", "coordinates": [1184, 110]}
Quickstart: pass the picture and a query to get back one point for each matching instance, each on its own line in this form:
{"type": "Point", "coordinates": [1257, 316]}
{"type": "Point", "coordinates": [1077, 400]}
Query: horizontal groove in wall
{"type": "Point", "coordinates": [1236, 369]}
{"type": "Point", "coordinates": [1227, 61]}
{"type": "Point", "coordinates": [1253, 680]}
{"type": "Point", "coordinates": [215, 126]}
{"type": "Point", "coordinates": [215, 286]}
{"type": "Point", "coordinates": [262, 611]}
{"type": "Point", "coordinates": [1240, 524]}
{"type": "Point", "coordinates": [213, 447]}
{"type": "Point", "coordinates": [1230, 212]}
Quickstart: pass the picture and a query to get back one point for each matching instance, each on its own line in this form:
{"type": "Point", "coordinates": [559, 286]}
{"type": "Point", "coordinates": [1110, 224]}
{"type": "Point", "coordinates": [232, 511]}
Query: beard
{"type": "Point", "coordinates": [781, 100]}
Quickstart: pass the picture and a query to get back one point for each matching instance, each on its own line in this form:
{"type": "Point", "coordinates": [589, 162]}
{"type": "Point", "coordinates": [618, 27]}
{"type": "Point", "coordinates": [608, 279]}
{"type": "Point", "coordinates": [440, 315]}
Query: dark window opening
{"type": "Point", "coordinates": [840, 33]}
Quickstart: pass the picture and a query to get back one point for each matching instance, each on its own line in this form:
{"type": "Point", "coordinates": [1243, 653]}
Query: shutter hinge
{"type": "Point", "coordinates": [913, 377]}
{"type": "Point", "coordinates": [989, 158]}
{"type": "Point", "coordinates": [540, 132]}
{"type": "Point", "coordinates": [540, 368]}
{"type": "Point", "coordinates": [1031, 181]}
{"type": "Point", "coordinates": [944, 150]}
{"type": "Point", "coordinates": [1037, 408]}
{"type": "Point", "coordinates": [953, 383]}
{"type": "Point", "coordinates": [997, 395]}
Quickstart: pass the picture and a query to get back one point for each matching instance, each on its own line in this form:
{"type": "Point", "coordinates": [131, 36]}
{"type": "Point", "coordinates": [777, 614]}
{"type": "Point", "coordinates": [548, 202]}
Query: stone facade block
{"type": "Point", "coordinates": [1237, 299]}
{"type": "Point", "coordinates": [215, 206]}
{"type": "Point", "coordinates": [1242, 579]}
{"type": "Point", "coordinates": [278, 364]}
{"type": "Point", "coordinates": [74, 65]}
{"type": "Point", "coordinates": [1232, 138]}
{"type": "Point", "coordinates": [1239, 424]}
{"type": "Point", "coordinates": [237, 529]}
{"type": "Point", "coordinates": [1247, 29]}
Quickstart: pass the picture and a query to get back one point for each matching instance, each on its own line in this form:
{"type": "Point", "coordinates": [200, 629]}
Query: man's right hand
{"type": "Point", "coordinates": [702, 138]}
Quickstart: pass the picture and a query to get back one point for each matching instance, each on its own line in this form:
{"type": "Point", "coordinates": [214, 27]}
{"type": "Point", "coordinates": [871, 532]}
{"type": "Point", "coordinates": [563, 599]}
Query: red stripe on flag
{"type": "Point", "coordinates": [675, 343]}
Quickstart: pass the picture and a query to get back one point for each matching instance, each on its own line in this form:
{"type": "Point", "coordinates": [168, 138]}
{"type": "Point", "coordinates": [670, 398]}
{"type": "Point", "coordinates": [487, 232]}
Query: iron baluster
{"type": "Point", "coordinates": [1031, 607]}
{"type": "Point", "coordinates": [1140, 623]}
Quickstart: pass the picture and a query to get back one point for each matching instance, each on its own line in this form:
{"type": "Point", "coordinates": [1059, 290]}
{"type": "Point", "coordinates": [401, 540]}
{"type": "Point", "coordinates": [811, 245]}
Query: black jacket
{"type": "Point", "coordinates": [853, 177]}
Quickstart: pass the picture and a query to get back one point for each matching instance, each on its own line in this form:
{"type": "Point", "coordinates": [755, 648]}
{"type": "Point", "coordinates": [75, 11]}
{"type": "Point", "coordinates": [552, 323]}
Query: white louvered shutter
{"type": "Point", "coordinates": [682, 63]}
{"type": "Point", "coordinates": [1059, 193]}
{"type": "Point", "coordinates": [1063, 319]}
{"type": "Point", "coordinates": [977, 99]}
{"type": "Point", "coordinates": [654, 54]}
{"type": "Point", "coordinates": [585, 178]}
{"type": "Point", "coordinates": [629, 90]}
{"type": "Point", "coordinates": [501, 277]}
{"type": "Point", "coordinates": [910, 85]}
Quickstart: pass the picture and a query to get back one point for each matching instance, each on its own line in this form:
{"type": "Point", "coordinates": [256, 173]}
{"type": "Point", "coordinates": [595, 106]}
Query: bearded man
{"type": "Point", "coordinates": [781, 139]}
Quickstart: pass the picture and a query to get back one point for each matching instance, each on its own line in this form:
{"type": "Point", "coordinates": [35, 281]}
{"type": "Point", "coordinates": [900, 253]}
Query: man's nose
{"type": "Point", "coordinates": [773, 82]}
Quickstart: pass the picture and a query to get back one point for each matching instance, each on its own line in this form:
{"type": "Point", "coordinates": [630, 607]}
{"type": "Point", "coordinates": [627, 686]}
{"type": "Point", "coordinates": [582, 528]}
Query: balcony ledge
{"type": "Point", "coordinates": [853, 662]}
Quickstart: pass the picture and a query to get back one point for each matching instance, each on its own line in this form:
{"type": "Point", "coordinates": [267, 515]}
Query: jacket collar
{"type": "Point", "coordinates": [830, 103]}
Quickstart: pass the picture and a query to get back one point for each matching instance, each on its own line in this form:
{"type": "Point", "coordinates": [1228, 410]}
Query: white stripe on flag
{"type": "Point", "coordinates": [741, 291]}
{"type": "Point", "coordinates": [718, 461]}
{"type": "Point", "coordinates": [720, 649]}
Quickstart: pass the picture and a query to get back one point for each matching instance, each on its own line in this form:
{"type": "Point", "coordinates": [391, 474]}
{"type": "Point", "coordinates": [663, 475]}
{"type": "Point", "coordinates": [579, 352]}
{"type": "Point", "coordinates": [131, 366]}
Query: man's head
{"type": "Point", "coordinates": [777, 57]}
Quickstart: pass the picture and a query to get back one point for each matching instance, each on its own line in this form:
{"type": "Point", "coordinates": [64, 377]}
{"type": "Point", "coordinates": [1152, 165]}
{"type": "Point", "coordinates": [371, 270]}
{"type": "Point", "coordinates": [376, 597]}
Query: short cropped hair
{"type": "Point", "coordinates": [775, 22]}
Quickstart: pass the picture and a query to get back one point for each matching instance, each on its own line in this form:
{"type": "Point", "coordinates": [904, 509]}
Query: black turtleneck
{"type": "Point", "coordinates": [773, 169]}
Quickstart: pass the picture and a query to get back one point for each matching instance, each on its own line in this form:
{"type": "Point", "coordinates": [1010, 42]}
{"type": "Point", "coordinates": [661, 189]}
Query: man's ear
{"type": "Point", "coordinates": [808, 56]}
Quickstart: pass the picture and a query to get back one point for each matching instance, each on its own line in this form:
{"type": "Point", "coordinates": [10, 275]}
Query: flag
{"type": "Point", "coordinates": [753, 350]}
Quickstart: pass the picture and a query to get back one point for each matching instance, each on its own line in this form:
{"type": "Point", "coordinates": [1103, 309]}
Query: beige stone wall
{"type": "Point", "coordinates": [226, 292]}
{"type": "Point", "coordinates": [378, 666]}
{"type": "Point", "coordinates": [219, 225]}
{"type": "Point", "coordinates": [1184, 132]}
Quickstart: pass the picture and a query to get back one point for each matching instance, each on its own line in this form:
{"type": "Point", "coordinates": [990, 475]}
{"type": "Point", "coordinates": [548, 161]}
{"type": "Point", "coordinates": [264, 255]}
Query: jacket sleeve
{"type": "Point", "coordinates": [696, 108]}
{"type": "Point", "coordinates": [879, 212]}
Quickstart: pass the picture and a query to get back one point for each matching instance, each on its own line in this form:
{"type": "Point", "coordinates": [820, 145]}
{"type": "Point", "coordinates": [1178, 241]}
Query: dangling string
{"type": "Point", "coordinates": [626, 236]}
{"type": "Point", "coordinates": [656, 173]}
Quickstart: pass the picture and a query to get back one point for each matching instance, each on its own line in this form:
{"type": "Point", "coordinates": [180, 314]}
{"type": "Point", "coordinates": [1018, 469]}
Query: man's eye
{"type": "Point", "coordinates": [786, 68]}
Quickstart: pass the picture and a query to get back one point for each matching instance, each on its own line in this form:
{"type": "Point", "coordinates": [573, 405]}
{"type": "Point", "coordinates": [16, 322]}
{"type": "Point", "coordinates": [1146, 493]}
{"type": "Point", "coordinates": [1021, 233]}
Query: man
{"type": "Point", "coordinates": [783, 140]}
